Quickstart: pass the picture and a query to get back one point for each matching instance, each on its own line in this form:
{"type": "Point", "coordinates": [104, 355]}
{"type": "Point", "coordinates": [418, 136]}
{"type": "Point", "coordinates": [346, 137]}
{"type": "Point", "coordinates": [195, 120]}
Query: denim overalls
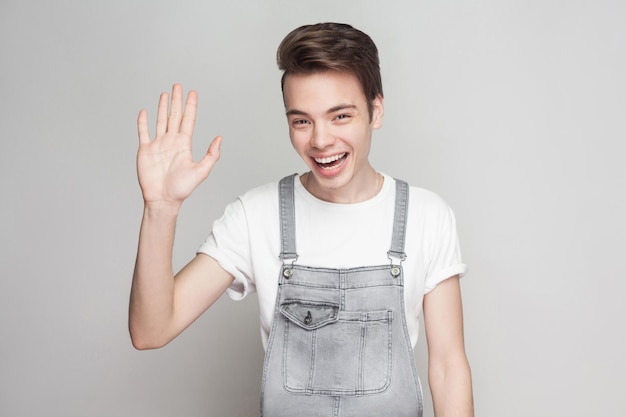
{"type": "Point", "coordinates": [339, 345]}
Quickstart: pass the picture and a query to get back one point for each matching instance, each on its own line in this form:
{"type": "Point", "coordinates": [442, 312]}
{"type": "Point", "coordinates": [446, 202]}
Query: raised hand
{"type": "Point", "coordinates": [165, 166]}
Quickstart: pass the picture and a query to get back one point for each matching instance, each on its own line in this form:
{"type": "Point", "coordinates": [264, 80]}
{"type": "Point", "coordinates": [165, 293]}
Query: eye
{"type": "Point", "coordinates": [299, 122]}
{"type": "Point", "coordinates": [342, 117]}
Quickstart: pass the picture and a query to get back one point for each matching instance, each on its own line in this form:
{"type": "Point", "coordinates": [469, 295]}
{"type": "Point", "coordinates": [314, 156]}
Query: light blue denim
{"type": "Point", "coordinates": [339, 345]}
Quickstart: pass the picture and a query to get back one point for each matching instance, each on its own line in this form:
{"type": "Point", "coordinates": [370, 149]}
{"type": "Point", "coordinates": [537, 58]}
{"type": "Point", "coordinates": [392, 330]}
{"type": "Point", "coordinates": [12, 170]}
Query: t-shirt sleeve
{"type": "Point", "coordinates": [229, 244]}
{"type": "Point", "coordinates": [444, 251]}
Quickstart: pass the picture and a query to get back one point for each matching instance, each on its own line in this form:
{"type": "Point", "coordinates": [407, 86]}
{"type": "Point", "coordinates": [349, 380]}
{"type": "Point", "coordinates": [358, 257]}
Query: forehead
{"type": "Point", "coordinates": [318, 92]}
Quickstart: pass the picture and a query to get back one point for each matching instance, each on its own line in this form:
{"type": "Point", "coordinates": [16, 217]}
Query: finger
{"type": "Point", "coordinates": [176, 109]}
{"type": "Point", "coordinates": [161, 126]}
{"type": "Point", "coordinates": [205, 165]}
{"type": "Point", "coordinates": [189, 116]}
{"type": "Point", "coordinates": [142, 127]}
{"type": "Point", "coordinates": [215, 147]}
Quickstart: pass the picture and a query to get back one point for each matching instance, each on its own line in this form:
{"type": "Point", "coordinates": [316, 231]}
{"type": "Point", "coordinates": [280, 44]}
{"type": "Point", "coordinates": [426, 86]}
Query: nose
{"type": "Point", "coordinates": [321, 136]}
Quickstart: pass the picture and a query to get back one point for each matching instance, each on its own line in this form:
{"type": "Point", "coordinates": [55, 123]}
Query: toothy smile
{"type": "Point", "coordinates": [329, 161]}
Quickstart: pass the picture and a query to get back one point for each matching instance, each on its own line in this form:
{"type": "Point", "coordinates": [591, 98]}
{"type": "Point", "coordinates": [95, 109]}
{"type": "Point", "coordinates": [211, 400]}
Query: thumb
{"type": "Point", "coordinates": [205, 165]}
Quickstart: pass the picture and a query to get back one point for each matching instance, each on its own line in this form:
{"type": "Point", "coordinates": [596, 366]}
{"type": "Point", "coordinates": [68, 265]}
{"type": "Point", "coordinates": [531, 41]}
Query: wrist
{"type": "Point", "coordinates": [161, 208]}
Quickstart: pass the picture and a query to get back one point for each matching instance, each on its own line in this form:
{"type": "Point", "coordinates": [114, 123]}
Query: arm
{"type": "Point", "coordinates": [448, 369]}
{"type": "Point", "coordinates": [161, 305]}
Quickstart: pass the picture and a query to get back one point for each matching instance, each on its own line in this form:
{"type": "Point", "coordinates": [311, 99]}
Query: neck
{"type": "Point", "coordinates": [356, 191]}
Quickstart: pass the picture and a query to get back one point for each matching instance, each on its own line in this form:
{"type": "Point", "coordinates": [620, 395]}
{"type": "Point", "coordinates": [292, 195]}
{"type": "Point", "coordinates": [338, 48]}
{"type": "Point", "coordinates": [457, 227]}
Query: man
{"type": "Point", "coordinates": [343, 258]}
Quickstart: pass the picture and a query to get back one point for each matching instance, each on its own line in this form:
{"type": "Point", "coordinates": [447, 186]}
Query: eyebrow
{"type": "Point", "coordinates": [329, 111]}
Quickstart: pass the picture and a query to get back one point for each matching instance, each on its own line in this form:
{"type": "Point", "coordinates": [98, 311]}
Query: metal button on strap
{"type": "Point", "coordinates": [308, 318]}
{"type": "Point", "coordinates": [287, 273]}
{"type": "Point", "coordinates": [395, 271]}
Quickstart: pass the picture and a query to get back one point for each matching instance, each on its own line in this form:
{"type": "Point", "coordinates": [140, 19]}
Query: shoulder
{"type": "Point", "coordinates": [428, 210]}
{"type": "Point", "coordinates": [430, 216]}
{"type": "Point", "coordinates": [426, 200]}
{"type": "Point", "coordinates": [260, 202]}
{"type": "Point", "coordinates": [252, 212]}
{"type": "Point", "coordinates": [423, 200]}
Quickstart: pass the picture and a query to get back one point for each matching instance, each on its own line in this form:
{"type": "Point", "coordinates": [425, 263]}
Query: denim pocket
{"type": "Point", "coordinates": [333, 352]}
{"type": "Point", "coordinates": [310, 316]}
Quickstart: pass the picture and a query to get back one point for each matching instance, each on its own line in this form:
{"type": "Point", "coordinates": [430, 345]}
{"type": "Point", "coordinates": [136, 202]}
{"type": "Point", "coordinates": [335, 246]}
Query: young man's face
{"type": "Point", "coordinates": [331, 129]}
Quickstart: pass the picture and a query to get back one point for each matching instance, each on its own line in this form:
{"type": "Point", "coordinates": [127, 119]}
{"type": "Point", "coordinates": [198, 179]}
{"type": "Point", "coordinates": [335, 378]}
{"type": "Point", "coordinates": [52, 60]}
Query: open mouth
{"type": "Point", "coordinates": [331, 162]}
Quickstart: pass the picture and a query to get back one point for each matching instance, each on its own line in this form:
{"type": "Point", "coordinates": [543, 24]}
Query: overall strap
{"type": "Point", "coordinates": [287, 219]}
{"type": "Point", "coordinates": [399, 223]}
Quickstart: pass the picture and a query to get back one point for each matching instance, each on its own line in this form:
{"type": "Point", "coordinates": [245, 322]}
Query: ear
{"type": "Point", "coordinates": [378, 111]}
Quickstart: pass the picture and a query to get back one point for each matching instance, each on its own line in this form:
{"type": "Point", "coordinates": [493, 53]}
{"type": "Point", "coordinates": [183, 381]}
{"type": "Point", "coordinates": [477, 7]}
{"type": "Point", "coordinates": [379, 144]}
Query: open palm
{"type": "Point", "coordinates": [165, 166]}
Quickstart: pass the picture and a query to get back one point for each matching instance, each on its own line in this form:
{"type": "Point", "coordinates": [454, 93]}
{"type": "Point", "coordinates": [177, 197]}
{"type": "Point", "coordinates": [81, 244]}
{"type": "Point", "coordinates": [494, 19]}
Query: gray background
{"type": "Point", "coordinates": [512, 110]}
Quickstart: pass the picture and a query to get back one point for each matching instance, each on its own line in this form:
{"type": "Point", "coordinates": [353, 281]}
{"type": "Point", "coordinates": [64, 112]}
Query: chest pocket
{"type": "Point", "coordinates": [332, 352]}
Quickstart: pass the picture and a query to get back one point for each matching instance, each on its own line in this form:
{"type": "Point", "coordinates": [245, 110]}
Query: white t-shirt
{"type": "Point", "coordinates": [246, 242]}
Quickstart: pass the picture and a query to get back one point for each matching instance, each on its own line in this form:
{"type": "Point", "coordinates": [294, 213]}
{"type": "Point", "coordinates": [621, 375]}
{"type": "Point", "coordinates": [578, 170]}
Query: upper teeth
{"type": "Point", "coordinates": [329, 159]}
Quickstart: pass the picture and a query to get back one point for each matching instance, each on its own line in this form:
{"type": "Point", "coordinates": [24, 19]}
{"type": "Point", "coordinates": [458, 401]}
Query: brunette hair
{"type": "Point", "coordinates": [332, 47]}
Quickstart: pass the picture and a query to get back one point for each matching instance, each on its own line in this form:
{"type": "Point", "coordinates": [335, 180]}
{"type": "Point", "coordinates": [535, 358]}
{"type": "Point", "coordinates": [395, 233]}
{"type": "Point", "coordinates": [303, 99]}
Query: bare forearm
{"type": "Point", "coordinates": [451, 388]}
{"type": "Point", "coordinates": [152, 293]}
